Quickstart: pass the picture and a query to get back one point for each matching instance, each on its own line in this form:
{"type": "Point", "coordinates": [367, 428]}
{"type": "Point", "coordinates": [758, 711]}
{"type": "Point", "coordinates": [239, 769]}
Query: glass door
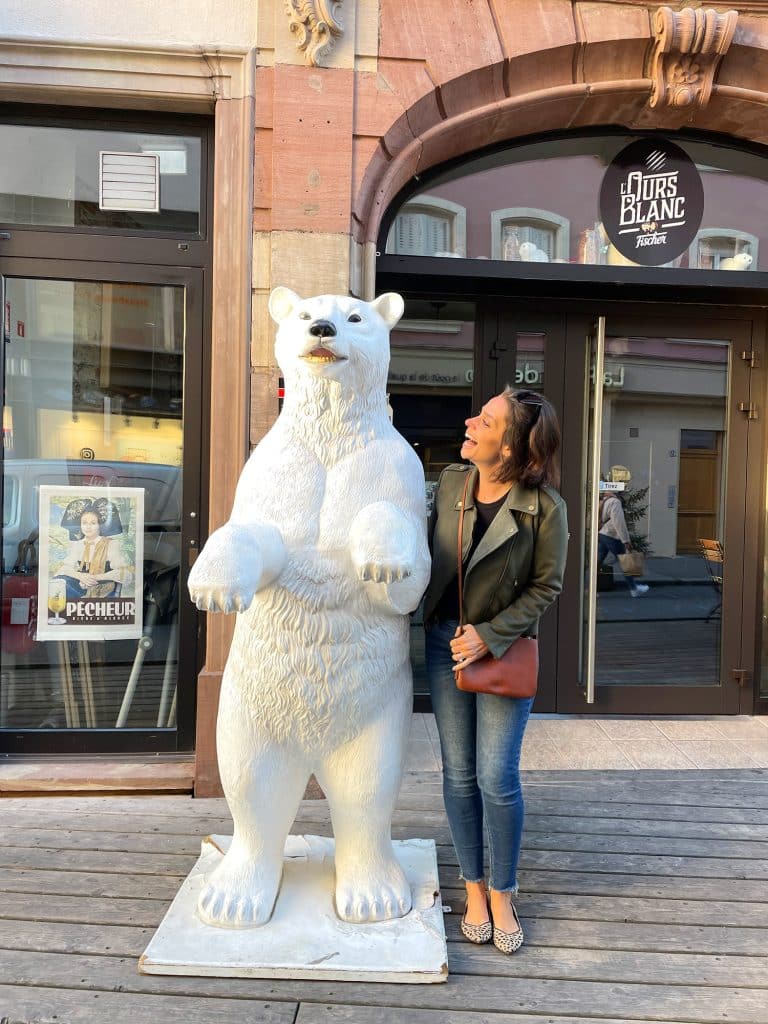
{"type": "Point", "coordinates": [525, 349]}
{"type": "Point", "coordinates": [664, 472]}
{"type": "Point", "coordinates": [101, 506]}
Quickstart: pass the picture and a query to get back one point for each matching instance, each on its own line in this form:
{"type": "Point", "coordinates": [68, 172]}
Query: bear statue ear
{"type": "Point", "coordinates": [390, 308]}
{"type": "Point", "coordinates": [282, 303]}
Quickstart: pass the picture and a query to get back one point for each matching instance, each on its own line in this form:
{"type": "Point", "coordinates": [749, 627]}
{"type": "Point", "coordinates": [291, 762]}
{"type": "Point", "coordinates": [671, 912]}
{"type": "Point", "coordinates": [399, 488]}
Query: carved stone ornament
{"type": "Point", "coordinates": [316, 25]}
{"type": "Point", "coordinates": [687, 50]}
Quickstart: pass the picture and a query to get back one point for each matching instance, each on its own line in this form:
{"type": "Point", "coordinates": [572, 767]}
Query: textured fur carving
{"type": "Point", "coordinates": [324, 556]}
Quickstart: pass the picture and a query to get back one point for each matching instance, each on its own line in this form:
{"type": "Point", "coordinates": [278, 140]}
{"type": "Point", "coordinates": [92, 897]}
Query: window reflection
{"type": "Point", "coordinates": [539, 203]}
{"type": "Point", "coordinates": [54, 178]}
{"type": "Point", "coordinates": [93, 401]}
{"type": "Point", "coordinates": [662, 461]}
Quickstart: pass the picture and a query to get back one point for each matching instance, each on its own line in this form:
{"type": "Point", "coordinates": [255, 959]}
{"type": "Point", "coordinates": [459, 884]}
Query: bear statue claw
{"type": "Point", "coordinates": [372, 572]}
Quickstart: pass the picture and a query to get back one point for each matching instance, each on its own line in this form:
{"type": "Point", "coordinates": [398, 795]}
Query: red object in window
{"type": "Point", "coordinates": [19, 601]}
{"type": "Point", "coordinates": [20, 328]}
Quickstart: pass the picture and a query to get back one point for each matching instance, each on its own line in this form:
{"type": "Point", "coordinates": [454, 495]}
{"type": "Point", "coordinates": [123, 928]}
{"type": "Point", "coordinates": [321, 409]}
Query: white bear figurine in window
{"type": "Point", "coordinates": [323, 558]}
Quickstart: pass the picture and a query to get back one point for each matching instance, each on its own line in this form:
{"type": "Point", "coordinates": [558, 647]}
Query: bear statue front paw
{"type": "Point", "coordinates": [235, 563]}
{"type": "Point", "coordinates": [219, 598]}
{"type": "Point", "coordinates": [382, 544]}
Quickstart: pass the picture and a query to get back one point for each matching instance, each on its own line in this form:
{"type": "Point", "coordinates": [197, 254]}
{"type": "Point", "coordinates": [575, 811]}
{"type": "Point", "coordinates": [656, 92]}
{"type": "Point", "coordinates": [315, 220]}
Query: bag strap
{"type": "Point", "coordinates": [460, 572]}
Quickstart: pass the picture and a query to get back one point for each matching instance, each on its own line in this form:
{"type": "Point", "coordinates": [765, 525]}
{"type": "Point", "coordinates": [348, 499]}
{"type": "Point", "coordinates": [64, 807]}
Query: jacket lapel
{"type": "Point", "coordinates": [504, 527]}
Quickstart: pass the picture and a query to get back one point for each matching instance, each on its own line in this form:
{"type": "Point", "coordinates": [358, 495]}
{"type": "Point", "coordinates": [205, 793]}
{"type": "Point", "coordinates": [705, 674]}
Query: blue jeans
{"type": "Point", "coordinates": [480, 737]}
{"type": "Point", "coordinates": [614, 546]}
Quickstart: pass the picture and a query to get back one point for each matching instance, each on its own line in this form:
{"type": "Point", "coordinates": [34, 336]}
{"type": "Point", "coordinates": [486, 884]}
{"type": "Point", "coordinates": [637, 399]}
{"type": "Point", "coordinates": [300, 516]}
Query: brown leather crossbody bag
{"type": "Point", "coordinates": [516, 672]}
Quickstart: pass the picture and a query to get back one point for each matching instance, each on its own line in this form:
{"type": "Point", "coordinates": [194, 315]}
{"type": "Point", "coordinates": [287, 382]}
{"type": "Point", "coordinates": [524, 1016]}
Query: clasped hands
{"type": "Point", "coordinates": [467, 646]}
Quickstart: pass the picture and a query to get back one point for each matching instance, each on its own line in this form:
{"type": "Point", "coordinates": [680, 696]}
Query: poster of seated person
{"type": "Point", "coordinates": [91, 562]}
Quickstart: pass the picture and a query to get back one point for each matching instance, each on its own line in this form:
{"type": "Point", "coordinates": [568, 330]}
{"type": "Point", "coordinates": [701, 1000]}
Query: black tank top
{"type": "Point", "coordinates": [448, 608]}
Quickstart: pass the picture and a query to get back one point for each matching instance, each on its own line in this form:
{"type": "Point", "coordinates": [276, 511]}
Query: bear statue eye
{"type": "Point", "coordinates": [305, 316]}
{"type": "Point", "coordinates": [354, 318]}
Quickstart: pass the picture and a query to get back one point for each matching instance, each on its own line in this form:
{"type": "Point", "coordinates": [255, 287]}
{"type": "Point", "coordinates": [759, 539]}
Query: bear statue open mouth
{"type": "Point", "coordinates": [322, 355]}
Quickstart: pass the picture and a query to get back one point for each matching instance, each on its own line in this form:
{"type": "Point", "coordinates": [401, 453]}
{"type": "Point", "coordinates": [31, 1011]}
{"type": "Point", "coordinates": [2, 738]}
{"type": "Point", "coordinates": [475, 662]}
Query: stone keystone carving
{"type": "Point", "coordinates": [316, 25]}
{"type": "Point", "coordinates": [686, 54]}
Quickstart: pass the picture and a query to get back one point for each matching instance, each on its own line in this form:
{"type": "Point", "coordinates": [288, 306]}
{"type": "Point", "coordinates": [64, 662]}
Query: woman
{"type": "Point", "coordinates": [514, 548]}
{"type": "Point", "coordinates": [94, 565]}
{"type": "Point", "coordinates": [613, 538]}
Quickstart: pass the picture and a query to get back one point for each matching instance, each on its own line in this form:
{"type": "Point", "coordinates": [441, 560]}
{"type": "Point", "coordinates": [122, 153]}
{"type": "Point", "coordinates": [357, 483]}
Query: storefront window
{"type": "Point", "coordinates": [92, 478]}
{"type": "Point", "coordinates": [542, 203]}
{"type": "Point", "coordinates": [92, 178]}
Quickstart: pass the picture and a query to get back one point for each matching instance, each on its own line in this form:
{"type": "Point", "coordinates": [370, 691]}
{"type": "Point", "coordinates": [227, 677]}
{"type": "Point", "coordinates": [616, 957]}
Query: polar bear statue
{"type": "Point", "coordinates": [323, 558]}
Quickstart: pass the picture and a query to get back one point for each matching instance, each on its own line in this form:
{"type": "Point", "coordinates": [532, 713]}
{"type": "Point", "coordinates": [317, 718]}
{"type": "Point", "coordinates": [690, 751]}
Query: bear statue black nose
{"type": "Point", "coordinates": [322, 329]}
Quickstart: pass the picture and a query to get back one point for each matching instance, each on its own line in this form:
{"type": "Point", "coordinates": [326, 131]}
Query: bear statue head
{"type": "Point", "coordinates": [334, 337]}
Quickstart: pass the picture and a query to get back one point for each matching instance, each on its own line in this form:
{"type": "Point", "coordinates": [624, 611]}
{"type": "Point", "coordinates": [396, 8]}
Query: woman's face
{"type": "Point", "coordinates": [89, 525]}
{"type": "Point", "coordinates": [483, 439]}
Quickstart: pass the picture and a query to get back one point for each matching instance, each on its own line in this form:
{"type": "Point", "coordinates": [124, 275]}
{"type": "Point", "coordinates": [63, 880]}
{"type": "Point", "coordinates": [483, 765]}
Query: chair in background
{"type": "Point", "coordinates": [712, 553]}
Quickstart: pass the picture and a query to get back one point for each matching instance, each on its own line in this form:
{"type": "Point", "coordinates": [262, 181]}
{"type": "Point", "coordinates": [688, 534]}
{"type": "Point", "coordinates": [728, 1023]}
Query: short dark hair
{"type": "Point", "coordinates": [533, 436]}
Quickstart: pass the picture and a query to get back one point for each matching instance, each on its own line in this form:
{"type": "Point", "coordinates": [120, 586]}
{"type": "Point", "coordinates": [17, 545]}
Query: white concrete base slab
{"type": "Point", "coordinates": [305, 938]}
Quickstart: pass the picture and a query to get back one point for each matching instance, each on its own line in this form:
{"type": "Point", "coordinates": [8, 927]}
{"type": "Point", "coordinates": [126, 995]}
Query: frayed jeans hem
{"type": "Point", "coordinates": [472, 881]}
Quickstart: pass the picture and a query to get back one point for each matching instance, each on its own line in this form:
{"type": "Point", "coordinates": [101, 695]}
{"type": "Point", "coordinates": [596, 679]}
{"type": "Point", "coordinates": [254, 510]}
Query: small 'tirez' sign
{"type": "Point", "coordinates": [651, 201]}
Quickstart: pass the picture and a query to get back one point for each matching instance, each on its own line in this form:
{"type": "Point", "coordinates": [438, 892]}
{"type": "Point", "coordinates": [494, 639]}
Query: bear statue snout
{"type": "Point", "coordinates": [322, 329]}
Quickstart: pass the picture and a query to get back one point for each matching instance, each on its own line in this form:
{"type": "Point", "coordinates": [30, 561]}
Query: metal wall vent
{"type": "Point", "coordinates": [129, 181]}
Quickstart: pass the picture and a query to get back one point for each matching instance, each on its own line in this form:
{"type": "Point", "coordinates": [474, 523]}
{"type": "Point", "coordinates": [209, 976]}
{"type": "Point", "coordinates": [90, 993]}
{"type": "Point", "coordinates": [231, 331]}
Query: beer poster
{"type": "Point", "coordinates": [91, 563]}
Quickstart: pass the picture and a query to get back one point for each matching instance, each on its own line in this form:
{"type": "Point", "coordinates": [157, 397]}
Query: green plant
{"type": "Point", "coordinates": [635, 507]}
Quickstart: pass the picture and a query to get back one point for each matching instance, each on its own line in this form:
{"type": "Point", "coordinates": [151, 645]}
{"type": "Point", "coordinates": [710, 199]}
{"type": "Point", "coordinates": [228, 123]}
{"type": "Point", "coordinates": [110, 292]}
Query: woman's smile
{"type": "Point", "coordinates": [485, 433]}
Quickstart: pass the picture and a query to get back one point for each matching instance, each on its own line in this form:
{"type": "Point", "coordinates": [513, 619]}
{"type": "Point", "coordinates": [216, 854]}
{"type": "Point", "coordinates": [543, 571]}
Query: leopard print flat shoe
{"type": "Point", "coordinates": [477, 933]}
{"type": "Point", "coordinates": [508, 942]}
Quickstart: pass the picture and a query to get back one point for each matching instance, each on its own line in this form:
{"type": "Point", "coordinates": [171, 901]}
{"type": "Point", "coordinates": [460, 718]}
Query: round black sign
{"type": "Point", "coordinates": [651, 202]}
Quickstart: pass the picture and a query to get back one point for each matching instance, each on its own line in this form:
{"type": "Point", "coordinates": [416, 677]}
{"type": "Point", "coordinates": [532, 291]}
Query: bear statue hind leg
{"type": "Point", "coordinates": [263, 783]}
{"type": "Point", "coordinates": [361, 780]}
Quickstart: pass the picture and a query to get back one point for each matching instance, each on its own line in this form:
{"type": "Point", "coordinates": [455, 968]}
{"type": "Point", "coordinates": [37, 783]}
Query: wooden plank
{"type": "Point", "coordinates": [545, 800]}
{"type": "Point", "coordinates": [658, 911]}
{"type": "Point", "coordinates": [643, 886]}
{"type": "Point", "coordinates": [528, 995]}
{"type": "Point", "coordinates": [81, 883]}
{"type": "Point", "coordinates": [63, 859]}
{"type": "Point", "coordinates": [748, 859]}
{"type": "Point", "coordinates": [314, 1013]}
{"type": "Point", "coordinates": [110, 774]}
{"type": "Point", "coordinates": [545, 933]}
{"type": "Point", "coordinates": [422, 823]}
{"type": "Point", "coordinates": [731, 849]}
{"type": "Point", "coordinates": [23, 1005]}
{"type": "Point", "coordinates": [17, 906]}
{"type": "Point", "coordinates": [124, 910]}
{"type": "Point", "coordinates": [746, 789]}
{"type": "Point", "coordinates": [16, 857]}
{"type": "Point", "coordinates": [609, 935]}
{"type": "Point", "coordinates": [743, 893]}
{"type": "Point", "coordinates": [622, 863]}
{"type": "Point", "coordinates": [648, 819]}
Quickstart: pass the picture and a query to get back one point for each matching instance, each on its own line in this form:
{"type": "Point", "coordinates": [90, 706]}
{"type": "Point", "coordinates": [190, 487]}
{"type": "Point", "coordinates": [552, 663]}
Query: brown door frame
{"type": "Point", "coordinates": [193, 512]}
{"type": "Point", "coordinates": [567, 326]}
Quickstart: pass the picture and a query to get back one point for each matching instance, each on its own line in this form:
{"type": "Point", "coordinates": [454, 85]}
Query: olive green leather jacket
{"type": "Point", "coordinates": [513, 576]}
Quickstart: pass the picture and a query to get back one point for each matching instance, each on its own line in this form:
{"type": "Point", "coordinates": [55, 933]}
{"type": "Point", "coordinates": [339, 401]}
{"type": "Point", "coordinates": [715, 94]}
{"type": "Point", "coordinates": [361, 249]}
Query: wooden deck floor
{"type": "Point", "coordinates": [645, 898]}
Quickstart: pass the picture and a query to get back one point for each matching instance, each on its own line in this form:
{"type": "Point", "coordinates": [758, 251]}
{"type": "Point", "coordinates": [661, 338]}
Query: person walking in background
{"type": "Point", "coordinates": [613, 538]}
{"type": "Point", "coordinates": [515, 539]}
